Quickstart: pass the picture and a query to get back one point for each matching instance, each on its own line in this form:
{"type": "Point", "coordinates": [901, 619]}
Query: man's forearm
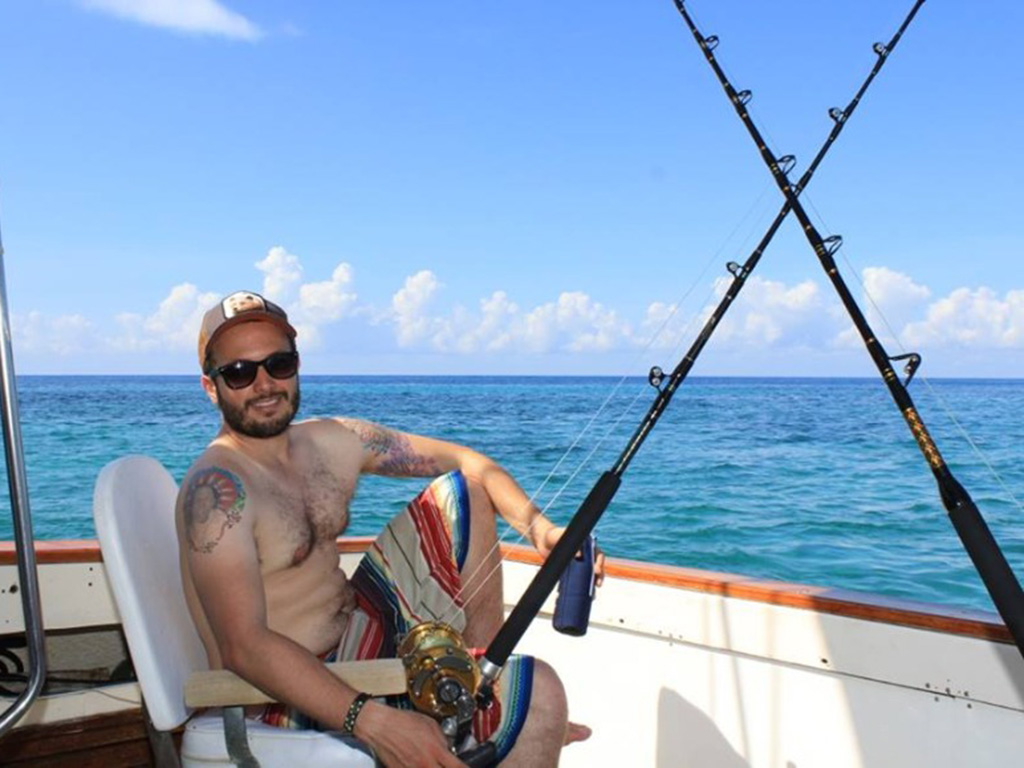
{"type": "Point", "coordinates": [509, 499]}
{"type": "Point", "coordinates": [292, 675]}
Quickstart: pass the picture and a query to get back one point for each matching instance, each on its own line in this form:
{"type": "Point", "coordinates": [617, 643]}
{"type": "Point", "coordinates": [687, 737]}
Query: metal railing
{"type": "Point", "coordinates": [24, 545]}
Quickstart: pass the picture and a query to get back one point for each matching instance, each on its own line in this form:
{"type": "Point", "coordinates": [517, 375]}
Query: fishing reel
{"type": "Point", "coordinates": [442, 677]}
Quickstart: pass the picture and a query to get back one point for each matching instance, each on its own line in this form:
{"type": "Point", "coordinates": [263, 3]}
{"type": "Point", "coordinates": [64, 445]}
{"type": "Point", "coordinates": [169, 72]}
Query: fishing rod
{"type": "Point", "coordinates": [443, 682]}
{"type": "Point", "coordinates": [974, 533]}
{"type": "Point", "coordinates": [594, 505]}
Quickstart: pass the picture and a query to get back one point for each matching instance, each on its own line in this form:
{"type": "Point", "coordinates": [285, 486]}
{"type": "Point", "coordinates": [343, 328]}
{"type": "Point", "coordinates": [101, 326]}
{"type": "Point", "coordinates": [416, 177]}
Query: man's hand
{"type": "Point", "coordinates": [546, 542]}
{"type": "Point", "coordinates": [404, 739]}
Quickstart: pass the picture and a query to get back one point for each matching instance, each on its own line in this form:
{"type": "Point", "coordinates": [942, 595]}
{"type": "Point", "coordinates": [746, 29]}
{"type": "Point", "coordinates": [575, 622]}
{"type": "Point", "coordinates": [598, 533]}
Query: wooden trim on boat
{"type": "Point", "coordinates": [840, 602]}
{"type": "Point", "coordinates": [99, 741]}
{"type": "Point", "coordinates": [51, 552]}
{"type": "Point", "coordinates": [858, 605]}
{"type": "Point", "coordinates": [88, 550]}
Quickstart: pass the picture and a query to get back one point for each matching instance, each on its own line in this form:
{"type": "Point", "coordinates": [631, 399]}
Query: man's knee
{"type": "Point", "coordinates": [542, 737]}
{"type": "Point", "coordinates": [547, 701]}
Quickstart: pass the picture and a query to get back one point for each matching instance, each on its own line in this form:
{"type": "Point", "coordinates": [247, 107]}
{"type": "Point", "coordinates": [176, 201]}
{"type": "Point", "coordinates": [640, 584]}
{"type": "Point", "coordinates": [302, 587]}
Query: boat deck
{"type": "Point", "coordinates": [697, 668]}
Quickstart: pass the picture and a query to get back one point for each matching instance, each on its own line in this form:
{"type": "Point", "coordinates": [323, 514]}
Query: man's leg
{"type": "Point", "coordinates": [480, 590]}
{"type": "Point", "coordinates": [544, 732]}
{"type": "Point", "coordinates": [481, 573]}
{"type": "Point", "coordinates": [540, 742]}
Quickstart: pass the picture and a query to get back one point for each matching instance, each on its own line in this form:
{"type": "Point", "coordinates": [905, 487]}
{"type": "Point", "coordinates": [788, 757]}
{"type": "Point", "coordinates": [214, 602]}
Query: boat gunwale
{"type": "Point", "coordinates": [835, 601]}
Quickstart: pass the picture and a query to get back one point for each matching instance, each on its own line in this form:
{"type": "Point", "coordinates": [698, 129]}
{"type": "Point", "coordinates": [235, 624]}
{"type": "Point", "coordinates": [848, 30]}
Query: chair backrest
{"type": "Point", "coordinates": [133, 507]}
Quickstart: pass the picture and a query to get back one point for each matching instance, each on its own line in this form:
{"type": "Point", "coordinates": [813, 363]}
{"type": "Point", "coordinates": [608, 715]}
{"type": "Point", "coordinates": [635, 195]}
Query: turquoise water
{"type": "Point", "coordinates": [808, 480]}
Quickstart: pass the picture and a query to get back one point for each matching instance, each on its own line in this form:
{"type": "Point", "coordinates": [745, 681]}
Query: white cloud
{"type": "Point", "coordinates": [574, 322]}
{"type": "Point", "coordinates": [309, 305]}
{"type": "Point", "coordinates": [175, 323]}
{"type": "Point", "coordinates": [770, 313]}
{"type": "Point", "coordinates": [63, 335]}
{"type": "Point", "coordinates": [494, 331]}
{"type": "Point", "coordinates": [322, 303]}
{"type": "Point", "coordinates": [769, 320]}
{"type": "Point", "coordinates": [409, 306]}
{"type": "Point", "coordinates": [327, 301]}
{"type": "Point", "coordinates": [665, 327]}
{"type": "Point", "coordinates": [203, 17]}
{"type": "Point", "coordinates": [888, 287]}
{"type": "Point", "coordinates": [658, 313]}
{"type": "Point", "coordinates": [890, 299]}
{"type": "Point", "coordinates": [976, 318]}
{"type": "Point", "coordinates": [281, 273]}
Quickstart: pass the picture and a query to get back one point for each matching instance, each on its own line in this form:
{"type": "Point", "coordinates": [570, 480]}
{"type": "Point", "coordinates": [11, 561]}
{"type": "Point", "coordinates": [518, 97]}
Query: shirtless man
{"type": "Point", "coordinates": [258, 515]}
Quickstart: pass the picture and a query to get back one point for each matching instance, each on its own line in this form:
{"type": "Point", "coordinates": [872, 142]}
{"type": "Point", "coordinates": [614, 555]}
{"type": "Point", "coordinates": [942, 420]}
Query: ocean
{"type": "Point", "coordinates": [816, 481]}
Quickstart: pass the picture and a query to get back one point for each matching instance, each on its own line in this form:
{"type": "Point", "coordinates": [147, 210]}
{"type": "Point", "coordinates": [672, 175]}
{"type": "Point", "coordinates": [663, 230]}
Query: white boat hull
{"type": "Point", "coordinates": [670, 677]}
{"type": "Point", "coordinates": [683, 668]}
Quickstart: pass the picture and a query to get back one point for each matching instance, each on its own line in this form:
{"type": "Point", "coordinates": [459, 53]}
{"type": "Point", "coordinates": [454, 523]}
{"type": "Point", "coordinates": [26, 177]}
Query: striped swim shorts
{"type": "Point", "coordinates": [411, 574]}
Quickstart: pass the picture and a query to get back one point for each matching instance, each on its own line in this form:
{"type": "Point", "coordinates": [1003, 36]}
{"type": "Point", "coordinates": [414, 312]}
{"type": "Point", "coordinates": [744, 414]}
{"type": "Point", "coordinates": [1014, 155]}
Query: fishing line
{"type": "Point", "coordinates": [452, 608]}
{"type": "Point", "coordinates": [950, 414]}
{"type": "Point", "coordinates": [944, 405]}
{"type": "Point", "coordinates": [517, 536]}
{"type": "Point", "coordinates": [511, 534]}
{"type": "Point", "coordinates": [602, 493]}
{"type": "Point", "coordinates": [989, 560]}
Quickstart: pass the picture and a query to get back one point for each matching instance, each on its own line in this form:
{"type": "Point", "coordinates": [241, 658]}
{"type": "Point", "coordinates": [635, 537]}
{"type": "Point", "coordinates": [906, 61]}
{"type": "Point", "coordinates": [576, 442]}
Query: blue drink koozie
{"type": "Point", "coordinates": [576, 593]}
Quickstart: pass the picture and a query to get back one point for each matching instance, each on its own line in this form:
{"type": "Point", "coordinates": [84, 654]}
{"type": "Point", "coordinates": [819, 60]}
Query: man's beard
{"type": "Point", "coordinates": [235, 417]}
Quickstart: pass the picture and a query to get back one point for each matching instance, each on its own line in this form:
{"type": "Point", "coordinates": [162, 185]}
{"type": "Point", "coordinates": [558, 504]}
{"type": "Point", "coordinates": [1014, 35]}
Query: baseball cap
{"type": "Point", "coordinates": [239, 307]}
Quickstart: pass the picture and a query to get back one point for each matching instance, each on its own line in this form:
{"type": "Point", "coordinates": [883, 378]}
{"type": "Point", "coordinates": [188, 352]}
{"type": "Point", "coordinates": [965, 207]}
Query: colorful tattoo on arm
{"type": "Point", "coordinates": [213, 503]}
{"type": "Point", "coordinates": [392, 451]}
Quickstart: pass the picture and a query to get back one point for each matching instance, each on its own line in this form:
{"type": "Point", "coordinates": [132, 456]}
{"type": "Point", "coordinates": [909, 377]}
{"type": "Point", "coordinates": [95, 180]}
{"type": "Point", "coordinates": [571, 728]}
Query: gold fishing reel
{"type": "Point", "coordinates": [442, 677]}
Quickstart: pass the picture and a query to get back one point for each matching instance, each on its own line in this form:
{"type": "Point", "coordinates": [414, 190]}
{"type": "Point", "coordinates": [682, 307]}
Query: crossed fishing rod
{"type": "Point", "coordinates": [974, 533]}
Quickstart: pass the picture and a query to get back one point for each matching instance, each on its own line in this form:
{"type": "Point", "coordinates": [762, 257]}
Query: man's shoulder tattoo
{"type": "Point", "coordinates": [214, 500]}
{"type": "Point", "coordinates": [396, 453]}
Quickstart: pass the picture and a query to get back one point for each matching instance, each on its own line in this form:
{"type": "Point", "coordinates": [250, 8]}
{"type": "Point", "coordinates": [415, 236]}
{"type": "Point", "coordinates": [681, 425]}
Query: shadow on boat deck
{"type": "Point", "coordinates": [687, 736]}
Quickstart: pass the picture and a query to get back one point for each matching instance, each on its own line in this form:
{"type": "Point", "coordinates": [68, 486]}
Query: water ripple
{"type": "Point", "coordinates": [814, 481]}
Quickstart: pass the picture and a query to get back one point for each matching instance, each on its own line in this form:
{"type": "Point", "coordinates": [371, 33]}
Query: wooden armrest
{"type": "Point", "coordinates": [222, 688]}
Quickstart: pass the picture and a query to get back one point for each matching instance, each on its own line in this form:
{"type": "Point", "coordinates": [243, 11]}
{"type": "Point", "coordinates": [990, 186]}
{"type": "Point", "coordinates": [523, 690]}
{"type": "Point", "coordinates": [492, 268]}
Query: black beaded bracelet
{"type": "Point", "coordinates": [349, 727]}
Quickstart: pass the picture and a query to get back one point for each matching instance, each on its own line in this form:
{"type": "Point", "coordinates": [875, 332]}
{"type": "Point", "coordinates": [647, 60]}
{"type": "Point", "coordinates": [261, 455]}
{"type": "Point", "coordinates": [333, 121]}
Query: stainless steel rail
{"type": "Point", "coordinates": [27, 575]}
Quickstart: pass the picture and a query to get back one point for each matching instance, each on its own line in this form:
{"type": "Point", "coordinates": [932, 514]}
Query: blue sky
{"type": "Point", "coordinates": [527, 187]}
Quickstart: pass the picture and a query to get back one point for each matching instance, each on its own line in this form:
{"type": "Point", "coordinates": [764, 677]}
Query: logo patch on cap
{"type": "Point", "coordinates": [240, 302]}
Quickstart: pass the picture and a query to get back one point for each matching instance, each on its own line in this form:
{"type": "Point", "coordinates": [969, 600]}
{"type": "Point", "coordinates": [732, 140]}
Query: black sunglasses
{"type": "Point", "coordinates": [241, 373]}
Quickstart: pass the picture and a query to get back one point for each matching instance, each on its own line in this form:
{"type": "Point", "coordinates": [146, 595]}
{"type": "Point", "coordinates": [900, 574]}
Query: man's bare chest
{"type": "Point", "coordinates": [299, 512]}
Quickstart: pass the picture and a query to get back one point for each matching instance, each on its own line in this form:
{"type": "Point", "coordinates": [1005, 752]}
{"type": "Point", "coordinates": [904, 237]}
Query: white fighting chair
{"type": "Point", "coordinates": [134, 512]}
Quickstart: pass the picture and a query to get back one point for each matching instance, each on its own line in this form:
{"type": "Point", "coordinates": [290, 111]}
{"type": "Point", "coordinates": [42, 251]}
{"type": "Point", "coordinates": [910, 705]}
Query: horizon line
{"type": "Point", "coordinates": [609, 376]}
